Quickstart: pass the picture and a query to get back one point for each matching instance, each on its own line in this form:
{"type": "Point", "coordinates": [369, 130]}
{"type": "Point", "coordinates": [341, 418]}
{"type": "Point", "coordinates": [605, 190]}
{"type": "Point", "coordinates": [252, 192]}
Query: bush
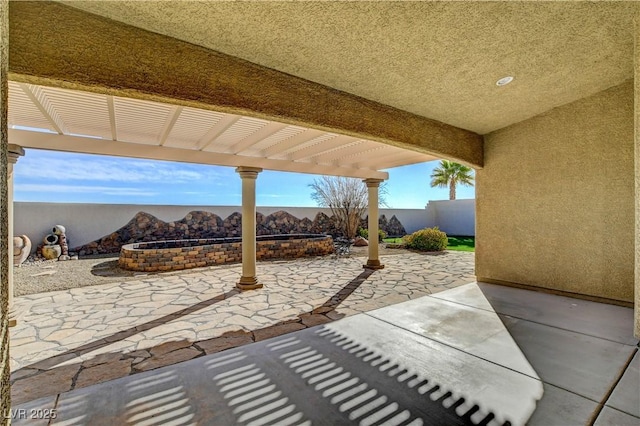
{"type": "Point", "coordinates": [428, 239]}
{"type": "Point", "coordinates": [364, 233]}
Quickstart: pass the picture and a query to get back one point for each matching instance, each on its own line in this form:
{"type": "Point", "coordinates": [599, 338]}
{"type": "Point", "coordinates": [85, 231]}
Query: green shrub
{"type": "Point", "coordinates": [364, 233]}
{"type": "Point", "coordinates": [428, 239]}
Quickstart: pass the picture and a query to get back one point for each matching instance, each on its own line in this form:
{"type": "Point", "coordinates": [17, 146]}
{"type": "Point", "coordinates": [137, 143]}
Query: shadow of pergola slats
{"type": "Point", "coordinates": [169, 405]}
{"type": "Point", "coordinates": [321, 377]}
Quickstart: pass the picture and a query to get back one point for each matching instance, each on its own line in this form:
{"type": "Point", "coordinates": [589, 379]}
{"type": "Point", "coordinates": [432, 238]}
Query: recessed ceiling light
{"type": "Point", "coordinates": [504, 81]}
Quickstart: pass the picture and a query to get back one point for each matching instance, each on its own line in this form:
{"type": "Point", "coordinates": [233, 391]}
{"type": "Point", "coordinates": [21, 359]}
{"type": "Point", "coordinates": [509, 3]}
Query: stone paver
{"type": "Point", "coordinates": [103, 372]}
{"type": "Point", "coordinates": [78, 337]}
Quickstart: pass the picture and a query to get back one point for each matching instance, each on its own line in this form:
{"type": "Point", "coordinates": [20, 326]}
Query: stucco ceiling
{"type": "Point", "coordinates": [436, 59]}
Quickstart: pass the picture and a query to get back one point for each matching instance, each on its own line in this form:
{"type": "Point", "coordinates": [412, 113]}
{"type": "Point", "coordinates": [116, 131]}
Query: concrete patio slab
{"type": "Point", "coordinates": [561, 407]}
{"type": "Point", "coordinates": [612, 417]}
{"type": "Point", "coordinates": [582, 364]}
{"type": "Point", "coordinates": [475, 331]}
{"type": "Point", "coordinates": [626, 395]}
{"type": "Point", "coordinates": [601, 320]}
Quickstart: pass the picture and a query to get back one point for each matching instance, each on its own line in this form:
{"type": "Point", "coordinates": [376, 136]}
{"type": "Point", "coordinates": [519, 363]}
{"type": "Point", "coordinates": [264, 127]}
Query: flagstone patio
{"type": "Point", "coordinates": [79, 337]}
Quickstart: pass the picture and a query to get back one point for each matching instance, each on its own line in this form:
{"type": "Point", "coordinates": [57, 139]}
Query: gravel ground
{"type": "Point", "coordinates": [51, 275]}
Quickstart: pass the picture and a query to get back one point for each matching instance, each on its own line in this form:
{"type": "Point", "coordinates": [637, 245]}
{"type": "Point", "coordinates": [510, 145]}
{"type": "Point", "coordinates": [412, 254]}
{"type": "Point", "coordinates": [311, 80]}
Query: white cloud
{"type": "Point", "coordinates": [106, 190]}
{"type": "Point", "coordinates": [65, 167]}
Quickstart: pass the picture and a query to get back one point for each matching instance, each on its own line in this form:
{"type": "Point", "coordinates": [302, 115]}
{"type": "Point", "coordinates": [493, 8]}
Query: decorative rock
{"type": "Point", "coordinates": [145, 227]}
{"type": "Point", "coordinates": [279, 222]}
{"type": "Point", "coordinates": [323, 224]}
{"type": "Point", "coordinates": [395, 228]}
{"type": "Point", "coordinates": [42, 274]}
{"type": "Point", "coordinates": [383, 224]}
{"type": "Point", "coordinates": [21, 249]}
{"type": "Point", "coordinates": [360, 242]}
{"type": "Point", "coordinates": [392, 227]}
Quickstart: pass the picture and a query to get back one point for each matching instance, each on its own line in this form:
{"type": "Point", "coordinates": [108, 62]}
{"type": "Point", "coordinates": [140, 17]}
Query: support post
{"type": "Point", "coordinates": [14, 152]}
{"type": "Point", "coordinates": [248, 280]}
{"type": "Point", "coordinates": [373, 186]}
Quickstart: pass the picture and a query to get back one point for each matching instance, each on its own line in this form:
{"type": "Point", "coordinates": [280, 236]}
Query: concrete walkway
{"type": "Point", "coordinates": [478, 354]}
{"type": "Point", "coordinates": [75, 338]}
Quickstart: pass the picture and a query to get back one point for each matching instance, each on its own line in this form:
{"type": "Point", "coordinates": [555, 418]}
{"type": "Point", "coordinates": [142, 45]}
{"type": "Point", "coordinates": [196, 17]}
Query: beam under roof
{"type": "Point", "coordinates": [68, 143]}
{"type": "Point", "coordinates": [57, 45]}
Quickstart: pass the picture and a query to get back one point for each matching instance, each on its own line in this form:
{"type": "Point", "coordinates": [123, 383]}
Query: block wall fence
{"type": "Point", "coordinates": [88, 222]}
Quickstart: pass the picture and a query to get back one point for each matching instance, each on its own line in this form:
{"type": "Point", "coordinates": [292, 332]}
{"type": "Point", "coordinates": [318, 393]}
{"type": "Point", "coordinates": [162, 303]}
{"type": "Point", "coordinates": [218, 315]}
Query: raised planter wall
{"type": "Point", "coordinates": [176, 255]}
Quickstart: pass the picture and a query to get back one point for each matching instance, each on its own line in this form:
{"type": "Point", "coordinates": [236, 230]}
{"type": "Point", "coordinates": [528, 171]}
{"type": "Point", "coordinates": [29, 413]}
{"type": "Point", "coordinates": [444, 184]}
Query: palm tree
{"type": "Point", "coordinates": [449, 174]}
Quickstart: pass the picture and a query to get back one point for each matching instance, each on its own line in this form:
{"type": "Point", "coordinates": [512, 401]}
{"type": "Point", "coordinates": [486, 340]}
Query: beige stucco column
{"type": "Point", "coordinates": [14, 152]}
{"type": "Point", "coordinates": [373, 186]}
{"type": "Point", "coordinates": [248, 281]}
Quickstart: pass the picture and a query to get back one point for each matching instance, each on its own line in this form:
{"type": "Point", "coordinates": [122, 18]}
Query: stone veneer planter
{"type": "Point", "coordinates": [173, 255]}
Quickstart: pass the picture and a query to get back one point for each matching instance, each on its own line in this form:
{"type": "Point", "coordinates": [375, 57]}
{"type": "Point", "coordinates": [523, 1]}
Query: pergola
{"type": "Point", "coordinates": [51, 118]}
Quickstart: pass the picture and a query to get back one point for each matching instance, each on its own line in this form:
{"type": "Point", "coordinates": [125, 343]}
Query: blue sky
{"type": "Point", "coordinates": [81, 178]}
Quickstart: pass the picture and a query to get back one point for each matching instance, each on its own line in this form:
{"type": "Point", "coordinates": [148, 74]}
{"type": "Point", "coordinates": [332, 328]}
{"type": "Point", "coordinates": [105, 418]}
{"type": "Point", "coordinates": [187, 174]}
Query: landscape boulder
{"type": "Point", "coordinates": [360, 242]}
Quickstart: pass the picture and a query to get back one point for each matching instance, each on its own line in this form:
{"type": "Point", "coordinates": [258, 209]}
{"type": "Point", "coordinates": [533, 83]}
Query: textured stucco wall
{"type": "Point", "coordinates": [5, 390]}
{"type": "Point", "coordinates": [637, 174]}
{"type": "Point", "coordinates": [56, 45]}
{"type": "Point", "coordinates": [555, 201]}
